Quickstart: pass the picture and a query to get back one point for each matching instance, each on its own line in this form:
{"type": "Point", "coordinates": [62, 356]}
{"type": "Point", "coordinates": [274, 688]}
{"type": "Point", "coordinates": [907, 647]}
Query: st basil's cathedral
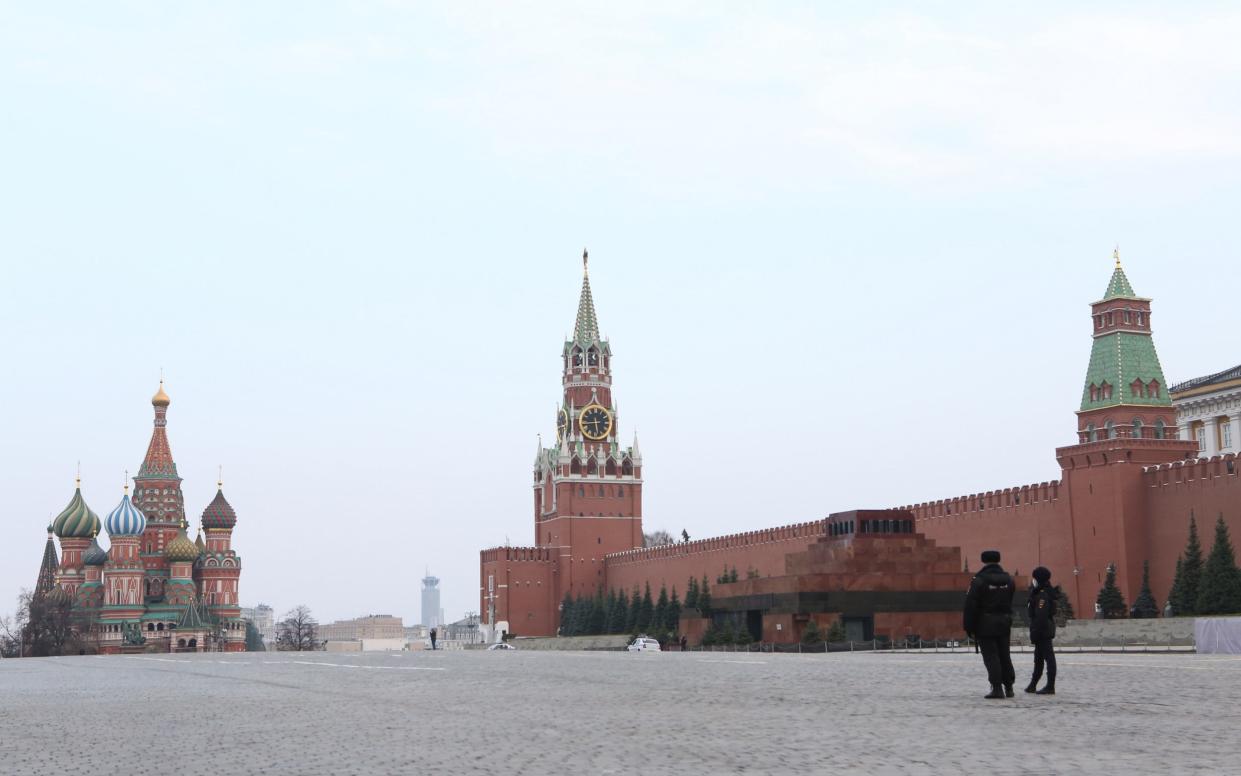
{"type": "Point", "coordinates": [153, 589]}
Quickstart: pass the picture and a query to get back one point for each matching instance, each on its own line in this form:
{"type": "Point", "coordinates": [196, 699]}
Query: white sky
{"type": "Point", "coordinates": [843, 256]}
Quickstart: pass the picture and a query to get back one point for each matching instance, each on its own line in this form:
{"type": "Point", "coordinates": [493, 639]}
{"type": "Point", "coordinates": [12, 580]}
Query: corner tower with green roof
{"type": "Point", "coordinates": [1125, 394]}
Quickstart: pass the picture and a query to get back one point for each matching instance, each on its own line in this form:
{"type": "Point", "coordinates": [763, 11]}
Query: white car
{"type": "Point", "coordinates": [642, 644]}
{"type": "Point", "coordinates": [501, 645]}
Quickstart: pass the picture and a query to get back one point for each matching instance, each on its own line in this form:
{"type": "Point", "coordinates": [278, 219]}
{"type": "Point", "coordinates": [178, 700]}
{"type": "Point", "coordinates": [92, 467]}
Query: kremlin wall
{"type": "Point", "coordinates": [1127, 491]}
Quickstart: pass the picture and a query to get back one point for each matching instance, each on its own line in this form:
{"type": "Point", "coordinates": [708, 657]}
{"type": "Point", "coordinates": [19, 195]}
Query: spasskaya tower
{"type": "Point", "coordinates": [587, 487]}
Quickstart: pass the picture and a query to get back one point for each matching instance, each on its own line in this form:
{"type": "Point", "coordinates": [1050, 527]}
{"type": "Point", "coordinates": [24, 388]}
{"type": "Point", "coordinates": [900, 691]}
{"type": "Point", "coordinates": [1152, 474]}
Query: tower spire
{"type": "Point", "coordinates": [587, 327]}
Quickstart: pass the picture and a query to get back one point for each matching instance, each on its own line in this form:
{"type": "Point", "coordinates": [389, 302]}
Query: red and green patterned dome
{"type": "Point", "coordinates": [219, 513]}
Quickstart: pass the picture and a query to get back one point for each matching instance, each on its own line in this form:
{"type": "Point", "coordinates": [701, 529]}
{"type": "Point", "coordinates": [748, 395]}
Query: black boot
{"type": "Point", "coordinates": [1032, 686]}
{"type": "Point", "coordinates": [996, 692]}
{"type": "Point", "coordinates": [1008, 691]}
{"type": "Point", "coordinates": [1049, 688]}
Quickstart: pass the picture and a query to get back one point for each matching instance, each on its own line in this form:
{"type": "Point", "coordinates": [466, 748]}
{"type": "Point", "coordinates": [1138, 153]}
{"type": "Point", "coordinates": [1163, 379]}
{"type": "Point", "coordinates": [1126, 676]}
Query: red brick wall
{"type": "Point", "coordinates": [673, 564]}
{"type": "Point", "coordinates": [525, 581]}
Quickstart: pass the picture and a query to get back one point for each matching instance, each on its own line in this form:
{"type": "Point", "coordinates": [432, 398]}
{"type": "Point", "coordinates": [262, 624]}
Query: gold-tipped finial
{"type": "Point", "coordinates": [160, 399]}
{"type": "Point", "coordinates": [219, 480]}
{"type": "Point", "coordinates": [125, 482]}
{"type": "Point", "coordinates": [77, 478]}
{"type": "Point", "coordinates": [1116, 255]}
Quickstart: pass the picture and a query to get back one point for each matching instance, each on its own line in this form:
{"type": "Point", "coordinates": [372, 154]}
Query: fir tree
{"type": "Point", "coordinates": [1064, 607]}
{"type": "Point", "coordinates": [646, 610]}
{"type": "Point", "coordinates": [1177, 594]}
{"type": "Point", "coordinates": [1110, 599]}
{"type": "Point", "coordinates": [566, 614]}
{"type": "Point", "coordinates": [704, 598]}
{"type": "Point", "coordinates": [1186, 602]}
{"type": "Point", "coordinates": [732, 574]}
{"type": "Point", "coordinates": [811, 633]}
{"type": "Point", "coordinates": [635, 606]}
{"type": "Point", "coordinates": [598, 614]}
{"type": "Point", "coordinates": [1219, 591]}
{"type": "Point", "coordinates": [691, 594]}
{"type": "Point", "coordinates": [674, 612]}
{"type": "Point", "coordinates": [1144, 606]}
{"type": "Point", "coordinates": [661, 611]}
{"type": "Point", "coordinates": [837, 631]}
{"type": "Point", "coordinates": [609, 611]}
{"type": "Point", "coordinates": [620, 614]}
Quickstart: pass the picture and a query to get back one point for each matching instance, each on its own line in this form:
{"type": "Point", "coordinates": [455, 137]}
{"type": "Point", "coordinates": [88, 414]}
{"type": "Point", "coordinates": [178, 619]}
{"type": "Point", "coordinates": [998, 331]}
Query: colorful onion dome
{"type": "Point", "coordinates": [219, 513]}
{"type": "Point", "coordinates": [126, 519]}
{"type": "Point", "coordinates": [77, 521]}
{"type": "Point", "coordinates": [160, 399]}
{"type": "Point", "coordinates": [58, 596]}
{"type": "Point", "coordinates": [181, 548]}
{"type": "Point", "coordinates": [95, 555]}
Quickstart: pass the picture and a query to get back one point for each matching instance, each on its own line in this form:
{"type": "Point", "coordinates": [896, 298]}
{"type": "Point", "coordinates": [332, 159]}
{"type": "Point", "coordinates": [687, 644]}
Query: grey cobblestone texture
{"type": "Point", "coordinates": [611, 713]}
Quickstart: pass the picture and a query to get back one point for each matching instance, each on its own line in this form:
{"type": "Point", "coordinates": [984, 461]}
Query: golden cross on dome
{"type": "Point", "coordinates": [1116, 255]}
{"type": "Point", "coordinates": [219, 481]}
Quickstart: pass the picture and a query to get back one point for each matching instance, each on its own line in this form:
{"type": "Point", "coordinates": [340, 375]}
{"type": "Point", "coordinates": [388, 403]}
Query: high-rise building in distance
{"type": "Point", "coordinates": [432, 616]}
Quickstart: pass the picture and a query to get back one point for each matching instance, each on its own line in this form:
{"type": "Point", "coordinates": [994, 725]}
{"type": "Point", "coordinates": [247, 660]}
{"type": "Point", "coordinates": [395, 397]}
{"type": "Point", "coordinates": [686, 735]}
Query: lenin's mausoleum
{"type": "Point", "coordinates": [1129, 484]}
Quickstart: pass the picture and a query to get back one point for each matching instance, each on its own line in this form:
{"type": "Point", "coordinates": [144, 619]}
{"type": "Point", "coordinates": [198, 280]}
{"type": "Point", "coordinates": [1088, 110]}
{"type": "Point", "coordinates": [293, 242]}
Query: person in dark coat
{"type": "Point", "coordinates": [989, 620]}
{"type": "Point", "coordinates": [1041, 607]}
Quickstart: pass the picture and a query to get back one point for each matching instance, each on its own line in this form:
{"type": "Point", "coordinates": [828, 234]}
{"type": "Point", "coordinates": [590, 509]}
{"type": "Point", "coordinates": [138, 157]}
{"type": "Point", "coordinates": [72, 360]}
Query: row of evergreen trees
{"type": "Point", "coordinates": [620, 612]}
{"type": "Point", "coordinates": [1212, 586]}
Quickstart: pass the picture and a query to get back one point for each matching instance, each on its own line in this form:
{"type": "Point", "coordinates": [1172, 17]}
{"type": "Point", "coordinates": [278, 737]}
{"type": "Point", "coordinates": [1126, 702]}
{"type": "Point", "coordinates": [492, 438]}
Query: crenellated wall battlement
{"type": "Point", "coordinates": [1195, 470]}
{"type": "Point", "coordinates": [511, 554]}
{"type": "Point", "coordinates": [992, 500]}
{"type": "Point", "coordinates": [716, 543]}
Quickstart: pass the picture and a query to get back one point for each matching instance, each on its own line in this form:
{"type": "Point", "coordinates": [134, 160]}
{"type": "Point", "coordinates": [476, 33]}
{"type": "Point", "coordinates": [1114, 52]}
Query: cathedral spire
{"type": "Point", "coordinates": [587, 327]}
{"type": "Point", "coordinates": [48, 568]}
{"type": "Point", "coordinates": [158, 463]}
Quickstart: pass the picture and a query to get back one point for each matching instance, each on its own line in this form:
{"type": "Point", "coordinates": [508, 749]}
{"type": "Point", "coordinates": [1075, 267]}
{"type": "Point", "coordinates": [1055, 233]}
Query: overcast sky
{"type": "Point", "coordinates": [843, 257]}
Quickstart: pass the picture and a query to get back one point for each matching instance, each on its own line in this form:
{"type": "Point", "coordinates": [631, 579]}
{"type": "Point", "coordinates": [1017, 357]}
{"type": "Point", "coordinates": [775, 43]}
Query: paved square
{"type": "Point", "coordinates": [604, 713]}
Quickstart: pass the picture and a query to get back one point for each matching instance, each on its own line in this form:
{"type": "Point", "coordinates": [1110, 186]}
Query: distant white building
{"type": "Point", "coordinates": [432, 615]}
{"type": "Point", "coordinates": [1208, 410]}
{"type": "Point", "coordinates": [264, 619]}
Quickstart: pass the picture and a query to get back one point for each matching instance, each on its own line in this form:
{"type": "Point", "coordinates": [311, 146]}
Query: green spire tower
{"type": "Point", "coordinates": [1125, 394]}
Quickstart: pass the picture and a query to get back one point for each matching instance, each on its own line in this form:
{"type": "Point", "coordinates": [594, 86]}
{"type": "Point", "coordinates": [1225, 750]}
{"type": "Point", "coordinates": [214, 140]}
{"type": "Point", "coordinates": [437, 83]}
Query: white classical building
{"type": "Point", "coordinates": [1208, 409]}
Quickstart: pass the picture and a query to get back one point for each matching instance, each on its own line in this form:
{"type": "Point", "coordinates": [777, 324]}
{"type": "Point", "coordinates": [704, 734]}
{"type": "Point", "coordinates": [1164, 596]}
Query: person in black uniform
{"type": "Point", "coordinates": [1042, 609]}
{"type": "Point", "coordinates": [989, 620]}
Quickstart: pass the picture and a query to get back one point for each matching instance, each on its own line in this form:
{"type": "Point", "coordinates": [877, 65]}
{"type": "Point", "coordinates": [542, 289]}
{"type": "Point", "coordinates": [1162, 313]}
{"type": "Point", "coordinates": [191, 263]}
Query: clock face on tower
{"type": "Point", "coordinates": [595, 422]}
{"type": "Point", "coordinates": [562, 423]}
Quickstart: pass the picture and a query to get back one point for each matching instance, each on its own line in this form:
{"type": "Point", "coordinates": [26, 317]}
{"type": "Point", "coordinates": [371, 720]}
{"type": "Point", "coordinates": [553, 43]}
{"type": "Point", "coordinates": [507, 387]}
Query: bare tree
{"type": "Point", "coordinates": [51, 626]}
{"type": "Point", "coordinates": [299, 631]}
{"type": "Point", "coordinates": [656, 538]}
{"type": "Point", "coordinates": [10, 637]}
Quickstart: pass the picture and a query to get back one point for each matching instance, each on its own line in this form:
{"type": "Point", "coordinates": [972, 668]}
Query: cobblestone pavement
{"type": "Point", "coordinates": [605, 713]}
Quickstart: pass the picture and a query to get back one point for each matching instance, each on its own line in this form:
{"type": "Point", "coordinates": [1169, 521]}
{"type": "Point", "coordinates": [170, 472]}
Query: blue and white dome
{"type": "Point", "coordinates": [126, 519]}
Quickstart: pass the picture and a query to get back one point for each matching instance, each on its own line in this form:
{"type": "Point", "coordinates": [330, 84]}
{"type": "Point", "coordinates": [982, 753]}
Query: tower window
{"type": "Point", "coordinates": [1109, 319]}
{"type": "Point", "coordinates": [1094, 392]}
{"type": "Point", "coordinates": [1159, 429]}
{"type": "Point", "coordinates": [1091, 434]}
{"type": "Point", "coordinates": [1140, 319]}
{"type": "Point", "coordinates": [1126, 316]}
{"type": "Point", "coordinates": [1098, 321]}
{"type": "Point", "coordinates": [1152, 389]}
{"type": "Point", "coordinates": [1111, 429]}
{"type": "Point", "coordinates": [1137, 428]}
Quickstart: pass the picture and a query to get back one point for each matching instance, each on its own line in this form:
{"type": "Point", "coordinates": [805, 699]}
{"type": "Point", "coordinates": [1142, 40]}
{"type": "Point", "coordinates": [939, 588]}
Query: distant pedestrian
{"type": "Point", "coordinates": [989, 620]}
{"type": "Point", "coordinates": [684, 642]}
{"type": "Point", "coordinates": [1041, 607]}
{"type": "Point", "coordinates": [433, 634]}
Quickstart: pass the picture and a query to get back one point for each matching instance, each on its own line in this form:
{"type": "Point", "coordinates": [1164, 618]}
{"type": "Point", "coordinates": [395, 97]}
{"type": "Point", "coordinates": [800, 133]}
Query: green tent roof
{"type": "Point", "coordinates": [1118, 359]}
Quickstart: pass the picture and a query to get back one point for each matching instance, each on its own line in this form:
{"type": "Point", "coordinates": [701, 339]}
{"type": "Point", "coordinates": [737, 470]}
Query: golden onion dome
{"type": "Point", "coordinates": [181, 548]}
{"type": "Point", "coordinates": [160, 399]}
